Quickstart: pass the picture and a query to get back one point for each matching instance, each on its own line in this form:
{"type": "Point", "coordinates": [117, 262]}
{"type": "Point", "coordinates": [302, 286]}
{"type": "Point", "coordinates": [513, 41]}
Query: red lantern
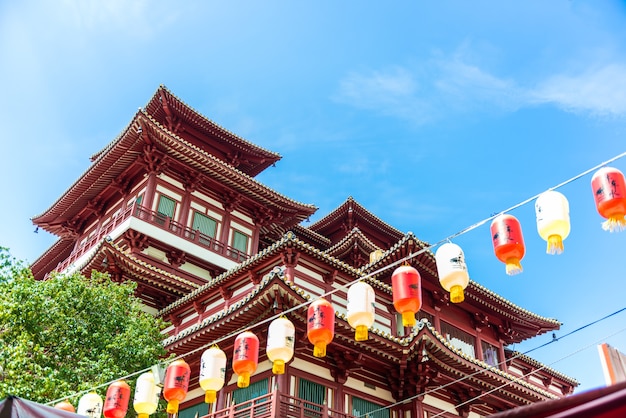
{"type": "Point", "coordinates": [116, 402]}
{"type": "Point", "coordinates": [176, 384]}
{"type": "Point", "coordinates": [609, 192]}
{"type": "Point", "coordinates": [320, 326]}
{"type": "Point", "coordinates": [508, 242]}
{"type": "Point", "coordinates": [406, 285]}
{"type": "Point", "coordinates": [245, 357]}
{"type": "Point", "coordinates": [65, 406]}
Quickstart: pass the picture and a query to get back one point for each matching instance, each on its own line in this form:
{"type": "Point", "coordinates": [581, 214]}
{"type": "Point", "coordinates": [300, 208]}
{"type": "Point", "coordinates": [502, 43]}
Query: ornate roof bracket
{"type": "Point", "coordinates": [153, 159]}
{"type": "Point", "coordinates": [440, 299]}
{"type": "Point", "coordinates": [136, 241]}
{"type": "Point", "coordinates": [480, 321]}
{"type": "Point", "coordinates": [173, 121]}
{"type": "Point", "coordinates": [231, 200]}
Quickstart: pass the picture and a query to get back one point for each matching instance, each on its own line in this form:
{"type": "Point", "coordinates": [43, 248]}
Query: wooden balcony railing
{"type": "Point", "coordinates": [162, 222]}
{"type": "Point", "coordinates": [277, 405]}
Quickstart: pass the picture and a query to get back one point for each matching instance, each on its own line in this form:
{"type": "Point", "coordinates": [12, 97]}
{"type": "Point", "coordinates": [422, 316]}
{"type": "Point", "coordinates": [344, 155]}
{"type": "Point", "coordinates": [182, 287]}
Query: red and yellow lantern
{"type": "Point", "coordinates": [609, 192]}
{"type": "Point", "coordinates": [361, 309]}
{"type": "Point", "coordinates": [245, 357]}
{"type": "Point", "coordinates": [281, 336]}
{"type": "Point", "coordinates": [212, 372]}
{"type": "Point", "coordinates": [553, 225]}
{"type": "Point", "coordinates": [508, 242]}
{"type": "Point", "coordinates": [116, 401]}
{"type": "Point", "coordinates": [320, 326]}
{"type": "Point", "coordinates": [406, 285]}
{"type": "Point", "coordinates": [176, 384]}
{"type": "Point", "coordinates": [452, 270]}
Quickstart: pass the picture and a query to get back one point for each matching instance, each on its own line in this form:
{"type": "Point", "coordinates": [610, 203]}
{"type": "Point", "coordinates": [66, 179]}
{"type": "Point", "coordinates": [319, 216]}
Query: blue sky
{"type": "Point", "coordinates": [433, 115]}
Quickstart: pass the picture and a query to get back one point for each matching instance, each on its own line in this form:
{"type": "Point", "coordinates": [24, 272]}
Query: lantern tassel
{"type": "Point", "coordinates": [555, 245]}
{"type": "Point", "coordinates": [360, 333]}
{"type": "Point", "coordinates": [172, 406]}
{"type": "Point", "coordinates": [278, 367]}
{"type": "Point", "coordinates": [319, 349]}
{"type": "Point", "coordinates": [456, 294]}
{"type": "Point", "coordinates": [243, 380]}
{"type": "Point", "coordinates": [408, 319]}
{"type": "Point", "coordinates": [210, 396]}
{"type": "Point", "coordinates": [615, 223]}
{"type": "Point", "coordinates": [513, 266]}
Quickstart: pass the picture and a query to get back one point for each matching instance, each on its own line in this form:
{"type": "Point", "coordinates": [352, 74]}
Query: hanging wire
{"type": "Point", "coordinates": [345, 286]}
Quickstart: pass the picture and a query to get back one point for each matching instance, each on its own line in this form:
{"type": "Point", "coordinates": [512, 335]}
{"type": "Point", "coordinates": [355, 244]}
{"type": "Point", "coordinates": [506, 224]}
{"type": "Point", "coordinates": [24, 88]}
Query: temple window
{"type": "Point", "coordinates": [490, 354]}
{"type": "Point", "coordinates": [364, 408]}
{"type": "Point", "coordinates": [166, 206]}
{"type": "Point", "coordinates": [312, 392]}
{"type": "Point", "coordinates": [460, 340]}
{"type": "Point", "coordinates": [204, 224]}
{"type": "Point", "coordinates": [240, 241]}
{"type": "Point", "coordinates": [254, 390]}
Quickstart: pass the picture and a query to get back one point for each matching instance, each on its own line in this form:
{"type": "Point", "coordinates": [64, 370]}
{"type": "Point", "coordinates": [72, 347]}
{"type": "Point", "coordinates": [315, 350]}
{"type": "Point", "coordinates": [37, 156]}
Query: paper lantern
{"type": "Point", "coordinates": [65, 406]}
{"type": "Point", "coordinates": [406, 286]}
{"type": "Point", "coordinates": [245, 357]}
{"type": "Point", "coordinates": [361, 309]}
{"type": "Point", "coordinates": [452, 270]}
{"type": "Point", "coordinates": [553, 225]}
{"type": "Point", "coordinates": [508, 242]}
{"type": "Point", "coordinates": [609, 191]}
{"type": "Point", "coordinates": [176, 384]}
{"type": "Point", "coordinates": [281, 336]}
{"type": "Point", "coordinates": [320, 328]}
{"type": "Point", "coordinates": [212, 372]}
{"type": "Point", "coordinates": [147, 394]}
{"type": "Point", "coordinates": [116, 400]}
{"type": "Point", "coordinates": [90, 405]}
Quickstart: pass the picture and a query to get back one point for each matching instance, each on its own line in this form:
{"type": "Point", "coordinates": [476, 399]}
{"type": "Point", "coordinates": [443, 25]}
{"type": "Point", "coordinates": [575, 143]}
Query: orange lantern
{"type": "Point", "coordinates": [553, 225]}
{"type": "Point", "coordinates": [609, 192]}
{"type": "Point", "coordinates": [147, 394]}
{"type": "Point", "coordinates": [245, 357]}
{"type": "Point", "coordinates": [508, 242]}
{"type": "Point", "coordinates": [116, 401]}
{"type": "Point", "coordinates": [176, 384]}
{"type": "Point", "coordinates": [406, 285]}
{"type": "Point", "coordinates": [452, 270]}
{"type": "Point", "coordinates": [320, 327]}
{"type": "Point", "coordinates": [281, 336]}
{"type": "Point", "coordinates": [65, 406]}
{"type": "Point", "coordinates": [361, 309]}
{"type": "Point", "coordinates": [212, 372]}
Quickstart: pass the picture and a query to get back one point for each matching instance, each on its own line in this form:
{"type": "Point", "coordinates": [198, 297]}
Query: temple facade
{"type": "Point", "coordinates": [172, 204]}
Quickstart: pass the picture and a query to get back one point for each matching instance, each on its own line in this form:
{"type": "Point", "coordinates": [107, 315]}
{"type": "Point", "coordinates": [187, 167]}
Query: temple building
{"type": "Point", "coordinates": [172, 204]}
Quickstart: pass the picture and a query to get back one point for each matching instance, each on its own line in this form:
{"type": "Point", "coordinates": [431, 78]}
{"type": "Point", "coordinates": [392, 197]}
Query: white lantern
{"type": "Point", "coordinates": [452, 270]}
{"type": "Point", "coordinates": [553, 225]}
{"type": "Point", "coordinates": [281, 336]}
{"type": "Point", "coordinates": [90, 405]}
{"type": "Point", "coordinates": [147, 394]}
{"type": "Point", "coordinates": [361, 309]}
{"type": "Point", "coordinates": [212, 372]}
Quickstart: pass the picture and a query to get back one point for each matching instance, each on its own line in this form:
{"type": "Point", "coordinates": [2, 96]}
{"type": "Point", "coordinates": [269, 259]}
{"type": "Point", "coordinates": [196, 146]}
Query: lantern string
{"type": "Point", "coordinates": [374, 273]}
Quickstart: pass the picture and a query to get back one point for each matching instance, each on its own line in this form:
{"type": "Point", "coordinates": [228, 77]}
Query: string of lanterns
{"type": "Point", "coordinates": [553, 226]}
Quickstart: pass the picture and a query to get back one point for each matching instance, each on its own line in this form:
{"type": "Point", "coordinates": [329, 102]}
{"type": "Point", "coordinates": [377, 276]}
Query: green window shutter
{"type": "Point", "coordinates": [204, 224]}
{"type": "Point", "coordinates": [363, 408]}
{"type": "Point", "coordinates": [201, 409]}
{"type": "Point", "coordinates": [166, 206]}
{"type": "Point", "coordinates": [240, 241]}
{"type": "Point", "coordinates": [254, 390]}
{"type": "Point", "coordinates": [312, 392]}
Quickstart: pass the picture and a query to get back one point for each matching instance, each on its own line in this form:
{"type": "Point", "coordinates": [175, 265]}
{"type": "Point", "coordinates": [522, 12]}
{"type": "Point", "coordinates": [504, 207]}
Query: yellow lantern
{"type": "Point", "coordinates": [281, 336]}
{"type": "Point", "coordinates": [361, 309]}
{"type": "Point", "coordinates": [452, 270]}
{"type": "Point", "coordinates": [212, 372]}
{"type": "Point", "coordinates": [90, 405]}
{"type": "Point", "coordinates": [147, 394]}
{"type": "Point", "coordinates": [553, 225]}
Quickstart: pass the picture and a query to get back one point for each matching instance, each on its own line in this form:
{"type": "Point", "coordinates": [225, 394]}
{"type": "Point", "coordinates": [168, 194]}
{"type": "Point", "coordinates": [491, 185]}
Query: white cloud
{"type": "Point", "coordinates": [448, 85]}
{"type": "Point", "coordinates": [600, 92]}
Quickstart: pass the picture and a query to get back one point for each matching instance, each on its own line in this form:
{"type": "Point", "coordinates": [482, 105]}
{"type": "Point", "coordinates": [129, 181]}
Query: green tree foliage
{"type": "Point", "coordinates": [70, 333]}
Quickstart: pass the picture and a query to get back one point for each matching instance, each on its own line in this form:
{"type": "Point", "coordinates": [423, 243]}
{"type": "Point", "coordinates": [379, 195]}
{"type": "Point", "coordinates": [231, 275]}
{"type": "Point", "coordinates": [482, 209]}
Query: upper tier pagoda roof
{"type": "Point", "coordinates": [125, 152]}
